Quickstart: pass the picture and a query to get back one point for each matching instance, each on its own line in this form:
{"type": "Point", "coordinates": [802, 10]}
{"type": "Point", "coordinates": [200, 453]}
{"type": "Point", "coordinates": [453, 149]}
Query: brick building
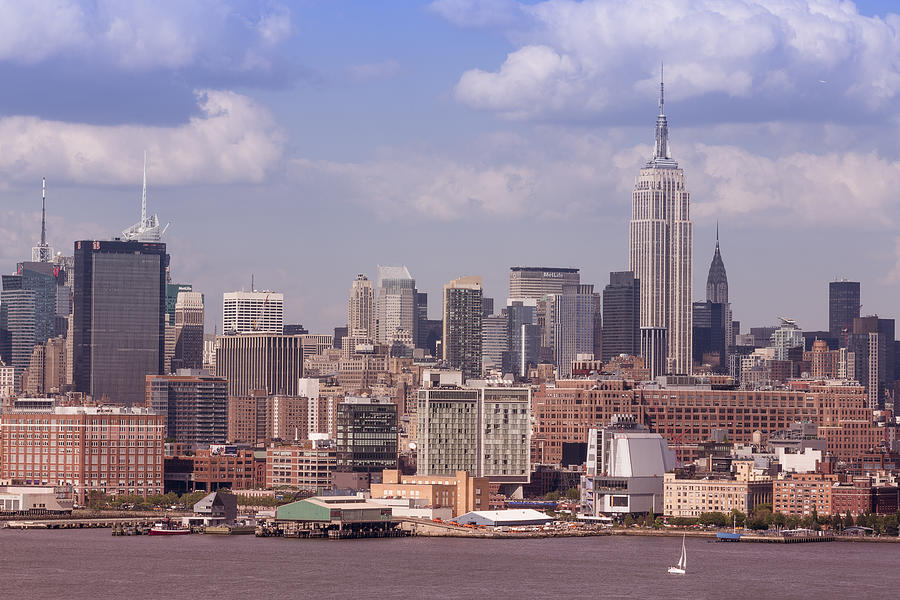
{"type": "Point", "coordinates": [259, 418]}
{"type": "Point", "coordinates": [111, 449]}
{"type": "Point", "coordinates": [309, 466]}
{"type": "Point", "coordinates": [802, 494]}
{"type": "Point", "coordinates": [686, 414]}
{"type": "Point", "coordinates": [462, 492]}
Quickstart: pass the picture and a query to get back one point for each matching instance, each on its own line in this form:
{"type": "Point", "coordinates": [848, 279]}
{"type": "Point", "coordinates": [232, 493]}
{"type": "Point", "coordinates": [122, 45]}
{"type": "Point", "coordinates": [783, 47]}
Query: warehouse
{"type": "Point", "coordinates": [503, 518]}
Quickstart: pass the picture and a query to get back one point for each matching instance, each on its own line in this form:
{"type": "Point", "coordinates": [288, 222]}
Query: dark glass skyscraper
{"type": "Point", "coordinates": [119, 330]}
{"type": "Point", "coordinates": [843, 307]}
{"type": "Point", "coordinates": [621, 315]}
{"type": "Point", "coordinates": [366, 435]}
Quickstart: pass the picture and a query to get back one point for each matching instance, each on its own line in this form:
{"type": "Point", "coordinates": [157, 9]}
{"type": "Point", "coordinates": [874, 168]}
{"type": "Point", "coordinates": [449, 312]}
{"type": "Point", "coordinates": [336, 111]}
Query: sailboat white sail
{"type": "Point", "coordinates": [681, 568]}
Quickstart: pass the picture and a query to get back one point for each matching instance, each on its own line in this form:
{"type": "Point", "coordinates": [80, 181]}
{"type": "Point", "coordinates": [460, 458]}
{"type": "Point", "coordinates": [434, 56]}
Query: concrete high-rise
{"type": "Point", "coordinates": [494, 341]}
{"type": "Point", "coordinates": [572, 324]}
{"type": "Point", "coordinates": [17, 324]}
{"type": "Point", "coordinates": [537, 282]}
{"type": "Point", "coordinates": [366, 439]}
{"type": "Point", "coordinates": [119, 308]}
{"type": "Point", "coordinates": [660, 255]}
{"type": "Point", "coordinates": [252, 312]}
{"type": "Point", "coordinates": [195, 406]}
{"type": "Point", "coordinates": [519, 313]}
{"type": "Point", "coordinates": [872, 344]}
{"type": "Point", "coordinates": [395, 305]}
{"type": "Point", "coordinates": [843, 307]}
{"type": "Point", "coordinates": [260, 361]}
{"type": "Point", "coordinates": [188, 352]}
{"type": "Point", "coordinates": [462, 325]}
{"type": "Point", "coordinates": [621, 315]}
{"type": "Point", "coordinates": [361, 309]}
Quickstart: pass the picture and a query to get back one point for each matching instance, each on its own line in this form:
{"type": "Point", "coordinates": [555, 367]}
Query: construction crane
{"type": "Point", "coordinates": [255, 323]}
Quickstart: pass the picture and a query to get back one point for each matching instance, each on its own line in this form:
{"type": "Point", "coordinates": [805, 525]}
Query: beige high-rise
{"type": "Point", "coordinates": [361, 309]}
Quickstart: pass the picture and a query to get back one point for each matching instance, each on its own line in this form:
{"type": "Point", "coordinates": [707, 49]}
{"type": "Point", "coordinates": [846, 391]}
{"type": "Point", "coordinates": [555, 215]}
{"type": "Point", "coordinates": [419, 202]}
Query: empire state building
{"type": "Point", "coordinates": [660, 255]}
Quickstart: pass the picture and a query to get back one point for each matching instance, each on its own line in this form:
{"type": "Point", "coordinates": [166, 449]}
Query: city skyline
{"type": "Point", "coordinates": [823, 162]}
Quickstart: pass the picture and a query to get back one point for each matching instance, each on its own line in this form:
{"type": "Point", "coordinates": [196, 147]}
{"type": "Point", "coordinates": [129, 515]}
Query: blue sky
{"type": "Point", "coordinates": [305, 142]}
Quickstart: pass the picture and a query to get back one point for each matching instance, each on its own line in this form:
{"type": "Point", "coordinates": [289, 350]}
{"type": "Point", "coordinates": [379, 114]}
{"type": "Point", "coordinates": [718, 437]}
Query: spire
{"type": "Point", "coordinates": [661, 150]}
{"type": "Point", "coordinates": [43, 211]}
{"type": "Point", "coordinates": [717, 279]}
{"type": "Point", "coordinates": [717, 234]}
{"type": "Point", "coordinates": [144, 192]}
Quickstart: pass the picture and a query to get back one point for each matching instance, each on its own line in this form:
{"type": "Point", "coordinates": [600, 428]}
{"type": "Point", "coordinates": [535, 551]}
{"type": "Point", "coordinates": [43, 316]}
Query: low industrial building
{"type": "Point", "coordinates": [36, 500]}
{"type": "Point", "coordinates": [504, 518]}
{"type": "Point", "coordinates": [410, 508]}
{"type": "Point", "coordinates": [333, 516]}
{"type": "Point", "coordinates": [462, 493]}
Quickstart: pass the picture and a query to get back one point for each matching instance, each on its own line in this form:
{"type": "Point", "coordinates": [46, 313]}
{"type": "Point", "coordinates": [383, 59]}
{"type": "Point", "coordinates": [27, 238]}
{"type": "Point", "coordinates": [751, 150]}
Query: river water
{"type": "Point", "coordinates": [91, 564]}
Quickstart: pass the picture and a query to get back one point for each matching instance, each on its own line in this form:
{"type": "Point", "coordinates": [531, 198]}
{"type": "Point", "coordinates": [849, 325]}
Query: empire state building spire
{"type": "Point", "coordinates": [662, 127]}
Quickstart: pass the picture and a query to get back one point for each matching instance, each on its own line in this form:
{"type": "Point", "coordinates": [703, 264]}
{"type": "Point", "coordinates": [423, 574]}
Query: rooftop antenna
{"type": "Point", "coordinates": [144, 192]}
{"type": "Point", "coordinates": [252, 284]}
{"type": "Point", "coordinates": [662, 90]}
{"type": "Point", "coordinates": [43, 211]}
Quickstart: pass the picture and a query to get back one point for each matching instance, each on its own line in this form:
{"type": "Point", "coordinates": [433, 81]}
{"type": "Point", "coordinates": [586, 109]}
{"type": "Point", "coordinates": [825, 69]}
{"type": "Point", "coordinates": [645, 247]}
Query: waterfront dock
{"type": "Point", "coordinates": [108, 523]}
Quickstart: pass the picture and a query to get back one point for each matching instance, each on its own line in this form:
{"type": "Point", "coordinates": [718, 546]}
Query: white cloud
{"type": "Point", "coordinates": [232, 140]}
{"type": "Point", "coordinates": [560, 173]}
{"type": "Point", "coordinates": [216, 35]}
{"type": "Point", "coordinates": [478, 13]}
{"type": "Point", "coordinates": [581, 57]}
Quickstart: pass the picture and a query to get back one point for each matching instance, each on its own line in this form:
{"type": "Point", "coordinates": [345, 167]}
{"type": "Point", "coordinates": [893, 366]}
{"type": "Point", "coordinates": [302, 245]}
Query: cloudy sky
{"type": "Point", "coordinates": [308, 141]}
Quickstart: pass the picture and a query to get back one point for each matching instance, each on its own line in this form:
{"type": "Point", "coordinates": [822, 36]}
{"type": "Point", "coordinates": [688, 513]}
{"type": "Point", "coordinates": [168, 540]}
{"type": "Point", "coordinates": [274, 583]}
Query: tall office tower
{"type": "Point", "coordinates": [660, 255]}
{"type": "Point", "coordinates": [361, 309]}
{"type": "Point", "coordinates": [42, 253]}
{"type": "Point", "coordinates": [717, 292]}
{"type": "Point", "coordinates": [709, 335]}
{"type": "Point", "coordinates": [421, 320]}
{"type": "Point", "coordinates": [367, 439]}
{"type": "Point", "coordinates": [260, 361]}
{"type": "Point", "coordinates": [487, 307]}
{"type": "Point", "coordinates": [119, 325]}
{"type": "Point", "coordinates": [17, 316]}
{"type": "Point", "coordinates": [195, 406]}
{"type": "Point", "coordinates": [252, 312]}
{"type": "Point", "coordinates": [172, 291]}
{"type": "Point", "coordinates": [395, 305]}
{"type": "Point", "coordinates": [42, 278]}
{"type": "Point", "coordinates": [32, 383]}
{"type": "Point", "coordinates": [843, 307]}
{"type": "Point", "coordinates": [55, 365]}
{"type": "Point", "coordinates": [188, 331]}
{"type": "Point", "coordinates": [494, 340]}
{"type": "Point", "coordinates": [537, 282]}
{"type": "Point", "coordinates": [621, 315]}
{"type": "Point", "coordinates": [519, 313]}
{"type": "Point", "coordinates": [872, 343]}
{"type": "Point", "coordinates": [463, 325]}
{"type": "Point", "coordinates": [572, 325]}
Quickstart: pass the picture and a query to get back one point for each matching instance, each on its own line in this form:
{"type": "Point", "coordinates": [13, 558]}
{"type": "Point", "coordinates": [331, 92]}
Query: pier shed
{"type": "Point", "coordinates": [334, 516]}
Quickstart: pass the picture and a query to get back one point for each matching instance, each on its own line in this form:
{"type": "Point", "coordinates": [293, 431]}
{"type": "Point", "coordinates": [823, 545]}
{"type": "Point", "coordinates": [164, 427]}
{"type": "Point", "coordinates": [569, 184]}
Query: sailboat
{"type": "Point", "coordinates": [679, 569]}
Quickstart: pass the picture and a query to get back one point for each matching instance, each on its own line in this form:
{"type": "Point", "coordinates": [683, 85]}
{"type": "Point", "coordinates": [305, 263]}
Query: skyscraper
{"type": "Point", "coordinates": [872, 343]}
{"type": "Point", "coordinates": [361, 309]}
{"type": "Point", "coordinates": [843, 307]}
{"type": "Point", "coordinates": [395, 305]}
{"type": "Point", "coordinates": [537, 282]}
{"type": "Point", "coordinates": [462, 325]}
{"type": "Point", "coordinates": [494, 341]}
{"type": "Point", "coordinates": [519, 312]}
{"type": "Point", "coordinates": [572, 324]}
{"type": "Point", "coordinates": [188, 331]}
{"type": "Point", "coordinates": [714, 332]}
{"type": "Point", "coordinates": [17, 324]}
{"type": "Point", "coordinates": [621, 315]}
{"type": "Point", "coordinates": [660, 255]}
{"type": "Point", "coordinates": [119, 325]}
{"type": "Point", "coordinates": [260, 361]}
{"type": "Point", "coordinates": [252, 312]}
{"type": "Point", "coordinates": [195, 406]}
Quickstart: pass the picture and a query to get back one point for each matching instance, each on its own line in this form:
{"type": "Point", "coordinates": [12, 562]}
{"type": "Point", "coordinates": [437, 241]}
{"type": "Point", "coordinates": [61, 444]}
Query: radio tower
{"type": "Point", "coordinates": [42, 252]}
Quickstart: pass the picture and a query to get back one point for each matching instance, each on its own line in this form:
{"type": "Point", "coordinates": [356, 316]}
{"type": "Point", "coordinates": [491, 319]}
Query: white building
{"type": "Point", "coordinates": [395, 306]}
{"type": "Point", "coordinates": [787, 336]}
{"type": "Point", "coordinates": [626, 465]}
{"type": "Point", "coordinates": [660, 255]}
{"type": "Point", "coordinates": [252, 312]}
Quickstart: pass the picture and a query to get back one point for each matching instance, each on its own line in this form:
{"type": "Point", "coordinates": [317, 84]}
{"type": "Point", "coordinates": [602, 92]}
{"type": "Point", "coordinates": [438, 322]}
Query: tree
{"type": "Point", "coordinates": [573, 494]}
{"type": "Point", "coordinates": [713, 518]}
{"type": "Point", "coordinates": [737, 517]}
{"type": "Point", "coordinates": [778, 519]}
{"type": "Point", "coordinates": [758, 524]}
{"type": "Point", "coordinates": [629, 520]}
{"type": "Point", "coordinates": [97, 500]}
{"type": "Point", "coordinates": [553, 496]}
{"type": "Point", "coordinates": [848, 520]}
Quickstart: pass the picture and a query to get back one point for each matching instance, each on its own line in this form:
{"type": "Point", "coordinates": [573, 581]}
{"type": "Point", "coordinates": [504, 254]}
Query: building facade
{"type": "Point", "coordinates": [463, 325]}
{"type": "Point", "coordinates": [395, 305]}
{"type": "Point", "coordinates": [113, 450]}
{"type": "Point", "coordinates": [119, 324]}
{"type": "Point", "coordinates": [537, 282]}
{"type": "Point", "coordinates": [843, 307]}
{"type": "Point", "coordinates": [195, 406]}
{"type": "Point", "coordinates": [484, 431]}
{"type": "Point", "coordinates": [693, 497]}
{"type": "Point", "coordinates": [460, 492]}
{"type": "Point", "coordinates": [361, 309]}
{"type": "Point", "coordinates": [252, 312]}
{"type": "Point", "coordinates": [621, 316]}
{"type": "Point", "coordinates": [367, 434]}
{"type": "Point", "coordinates": [188, 314]}
{"type": "Point", "coordinates": [260, 361]}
